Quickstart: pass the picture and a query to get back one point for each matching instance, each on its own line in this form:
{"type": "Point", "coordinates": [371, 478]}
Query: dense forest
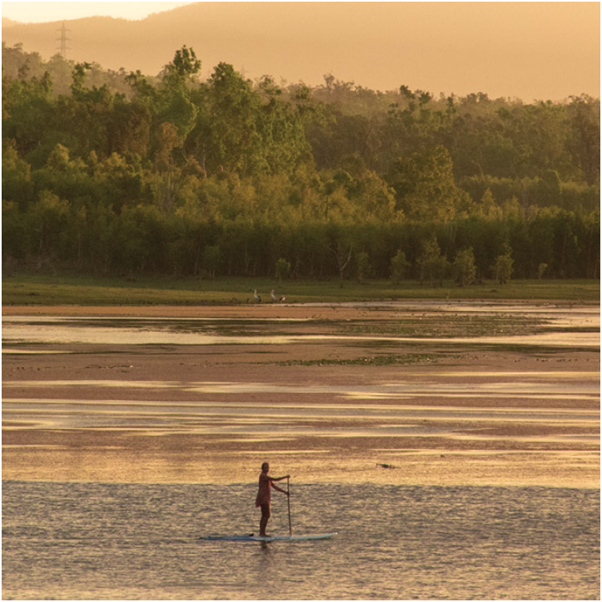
{"type": "Point", "coordinates": [121, 173]}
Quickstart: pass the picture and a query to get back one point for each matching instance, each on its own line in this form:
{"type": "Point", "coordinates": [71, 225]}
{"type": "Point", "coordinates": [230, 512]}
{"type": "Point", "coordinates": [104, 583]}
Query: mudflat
{"type": "Point", "coordinates": [402, 393]}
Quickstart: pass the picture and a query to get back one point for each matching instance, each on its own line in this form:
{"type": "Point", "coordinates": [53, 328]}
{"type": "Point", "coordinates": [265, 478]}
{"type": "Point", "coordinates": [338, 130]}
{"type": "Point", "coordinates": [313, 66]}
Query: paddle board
{"type": "Point", "coordinates": [268, 538]}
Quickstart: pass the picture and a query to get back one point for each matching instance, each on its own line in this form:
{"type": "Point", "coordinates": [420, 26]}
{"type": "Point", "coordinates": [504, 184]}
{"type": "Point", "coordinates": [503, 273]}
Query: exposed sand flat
{"type": "Point", "coordinates": [305, 311]}
{"type": "Point", "coordinates": [133, 411]}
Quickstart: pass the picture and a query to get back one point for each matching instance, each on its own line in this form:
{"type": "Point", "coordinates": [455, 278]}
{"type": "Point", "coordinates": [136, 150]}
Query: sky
{"type": "Point", "coordinates": [40, 12]}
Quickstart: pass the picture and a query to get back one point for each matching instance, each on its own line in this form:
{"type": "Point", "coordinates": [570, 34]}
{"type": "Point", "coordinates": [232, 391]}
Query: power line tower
{"type": "Point", "coordinates": [63, 39]}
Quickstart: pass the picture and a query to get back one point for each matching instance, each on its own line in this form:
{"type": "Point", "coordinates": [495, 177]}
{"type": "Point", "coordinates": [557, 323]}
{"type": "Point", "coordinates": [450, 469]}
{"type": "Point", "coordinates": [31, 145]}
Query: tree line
{"type": "Point", "coordinates": [121, 173]}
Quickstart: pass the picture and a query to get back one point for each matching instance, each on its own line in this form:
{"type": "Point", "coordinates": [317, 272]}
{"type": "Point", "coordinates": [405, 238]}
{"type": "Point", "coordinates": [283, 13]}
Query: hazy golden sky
{"type": "Point", "coordinates": [39, 12]}
{"type": "Point", "coordinates": [529, 50]}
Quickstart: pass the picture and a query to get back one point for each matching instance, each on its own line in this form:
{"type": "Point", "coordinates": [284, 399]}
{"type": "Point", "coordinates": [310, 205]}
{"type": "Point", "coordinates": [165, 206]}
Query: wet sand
{"type": "Point", "coordinates": [166, 413]}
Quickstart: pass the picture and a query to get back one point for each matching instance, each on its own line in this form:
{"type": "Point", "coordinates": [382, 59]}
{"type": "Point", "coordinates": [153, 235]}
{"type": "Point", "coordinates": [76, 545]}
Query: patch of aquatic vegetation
{"type": "Point", "coordinates": [449, 325]}
{"type": "Point", "coordinates": [233, 328]}
{"type": "Point", "coordinates": [372, 360]}
{"type": "Point", "coordinates": [534, 350]}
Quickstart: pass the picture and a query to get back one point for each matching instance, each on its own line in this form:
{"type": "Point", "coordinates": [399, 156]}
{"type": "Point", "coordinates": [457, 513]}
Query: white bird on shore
{"type": "Point", "coordinates": [257, 297]}
{"type": "Point", "coordinates": [276, 299]}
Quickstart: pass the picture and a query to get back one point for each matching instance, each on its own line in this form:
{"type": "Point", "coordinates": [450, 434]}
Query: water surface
{"type": "Point", "coordinates": [470, 474]}
{"type": "Point", "coordinates": [114, 541]}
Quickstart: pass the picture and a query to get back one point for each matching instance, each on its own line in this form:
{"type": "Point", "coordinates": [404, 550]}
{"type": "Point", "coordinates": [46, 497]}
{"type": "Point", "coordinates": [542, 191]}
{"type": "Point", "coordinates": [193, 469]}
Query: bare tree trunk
{"type": "Point", "coordinates": [342, 262]}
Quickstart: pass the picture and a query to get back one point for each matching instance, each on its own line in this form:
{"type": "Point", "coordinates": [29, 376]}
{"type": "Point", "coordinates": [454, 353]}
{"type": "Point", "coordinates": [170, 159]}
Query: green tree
{"type": "Point", "coordinates": [175, 93]}
{"type": "Point", "coordinates": [425, 187]}
{"type": "Point", "coordinates": [362, 264]}
{"type": "Point", "coordinates": [29, 113]}
{"type": "Point", "coordinates": [433, 265]}
{"type": "Point", "coordinates": [183, 68]}
{"type": "Point", "coordinates": [283, 269]}
{"type": "Point", "coordinates": [464, 267]}
{"type": "Point", "coordinates": [488, 207]}
{"type": "Point", "coordinates": [129, 128]}
{"type": "Point", "coordinates": [17, 183]}
{"type": "Point", "coordinates": [341, 245]}
{"type": "Point", "coordinates": [399, 267]}
{"type": "Point", "coordinates": [49, 225]}
{"type": "Point", "coordinates": [584, 136]}
{"type": "Point", "coordinates": [15, 233]}
{"type": "Point", "coordinates": [229, 130]}
{"type": "Point", "coordinates": [280, 126]}
{"type": "Point", "coordinates": [503, 267]}
{"type": "Point", "coordinates": [541, 268]}
{"type": "Point", "coordinates": [211, 259]}
{"type": "Point", "coordinates": [168, 175]}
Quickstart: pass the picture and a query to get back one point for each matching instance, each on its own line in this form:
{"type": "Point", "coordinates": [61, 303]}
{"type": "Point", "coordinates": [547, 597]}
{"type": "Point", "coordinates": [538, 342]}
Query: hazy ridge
{"type": "Point", "coordinates": [459, 48]}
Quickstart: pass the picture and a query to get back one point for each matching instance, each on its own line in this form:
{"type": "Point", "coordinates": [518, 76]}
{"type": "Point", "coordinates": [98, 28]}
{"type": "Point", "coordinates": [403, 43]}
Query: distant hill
{"type": "Point", "coordinates": [525, 50]}
{"type": "Point", "coordinates": [283, 40]}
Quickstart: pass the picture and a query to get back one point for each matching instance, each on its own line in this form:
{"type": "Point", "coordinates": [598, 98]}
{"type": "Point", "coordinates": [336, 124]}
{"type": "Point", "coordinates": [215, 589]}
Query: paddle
{"type": "Point", "coordinates": [288, 497]}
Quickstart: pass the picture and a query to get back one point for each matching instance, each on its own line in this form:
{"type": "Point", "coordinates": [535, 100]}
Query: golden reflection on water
{"type": "Point", "coordinates": [439, 467]}
{"type": "Point", "coordinates": [545, 387]}
{"type": "Point", "coordinates": [471, 421]}
{"type": "Point", "coordinates": [142, 442]}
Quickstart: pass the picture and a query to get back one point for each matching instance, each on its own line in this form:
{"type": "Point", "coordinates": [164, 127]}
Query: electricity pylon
{"type": "Point", "coordinates": [63, 39]}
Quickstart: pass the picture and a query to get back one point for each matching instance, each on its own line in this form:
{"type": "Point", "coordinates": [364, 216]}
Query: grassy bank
{"type": "Point", "coordinates": [28, 289]}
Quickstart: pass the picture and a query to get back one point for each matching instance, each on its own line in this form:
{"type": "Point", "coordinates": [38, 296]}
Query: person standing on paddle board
{"type": "Point", "coordinates": [264, 496]}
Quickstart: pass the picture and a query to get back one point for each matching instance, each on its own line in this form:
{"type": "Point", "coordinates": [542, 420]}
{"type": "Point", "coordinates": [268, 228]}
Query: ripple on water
{"type": "Point", "coordinates": [85, 540]}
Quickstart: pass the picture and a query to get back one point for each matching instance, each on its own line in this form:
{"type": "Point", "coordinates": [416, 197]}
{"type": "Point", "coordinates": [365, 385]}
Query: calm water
{"type": "Point", "coordinates": [91, 540]}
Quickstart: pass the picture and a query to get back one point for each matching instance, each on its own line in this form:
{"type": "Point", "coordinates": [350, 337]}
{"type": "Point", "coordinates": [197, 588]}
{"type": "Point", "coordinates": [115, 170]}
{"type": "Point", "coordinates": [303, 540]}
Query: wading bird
{"type": "Point", "coordinates": [274, 298]}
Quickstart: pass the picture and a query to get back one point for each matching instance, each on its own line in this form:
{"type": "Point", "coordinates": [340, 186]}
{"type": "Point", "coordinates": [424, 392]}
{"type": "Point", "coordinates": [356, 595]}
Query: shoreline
{"type": "Point", "coordinates": [175, 309]}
